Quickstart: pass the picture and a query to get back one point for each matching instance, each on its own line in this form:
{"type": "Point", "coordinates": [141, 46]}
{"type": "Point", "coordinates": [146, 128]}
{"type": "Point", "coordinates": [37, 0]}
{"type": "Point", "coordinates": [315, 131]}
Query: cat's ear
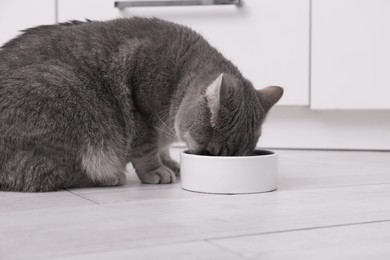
{"type": "Point", "coordinates": [213, 96]}
{"type": "Point", "coordinates": [269, 96]}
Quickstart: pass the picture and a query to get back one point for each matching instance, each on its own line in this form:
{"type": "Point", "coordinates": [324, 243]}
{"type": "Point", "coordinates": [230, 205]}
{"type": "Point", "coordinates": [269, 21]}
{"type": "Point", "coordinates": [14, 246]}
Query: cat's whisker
{"type": "Point", "coordinates": [166, 132]}
{"type": "Point", "coordinates": [162, 121]}
{"type": "Point", "coordinates": [167, 127]}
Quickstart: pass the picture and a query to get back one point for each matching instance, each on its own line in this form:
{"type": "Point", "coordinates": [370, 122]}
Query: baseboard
{"type": "Point", "coordinates": [292, 127]}
{"type": "Point", "coordinates": [303, 128]}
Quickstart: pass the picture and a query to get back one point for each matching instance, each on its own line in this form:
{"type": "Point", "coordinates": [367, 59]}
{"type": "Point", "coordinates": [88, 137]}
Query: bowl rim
{"type": "Point", "coordinates": [207, 157]}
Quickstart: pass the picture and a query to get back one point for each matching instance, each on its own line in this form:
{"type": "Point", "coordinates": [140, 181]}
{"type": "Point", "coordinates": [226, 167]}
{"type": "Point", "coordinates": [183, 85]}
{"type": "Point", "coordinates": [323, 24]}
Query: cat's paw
{"type": "Point", "coordinates": [174, 166]}
{"type": "Point", "coordinates": [121, 178]}
{"type": "Point", "coordinates": [117, 180]}
{"type": "Point", "coordinates": [161, 175]}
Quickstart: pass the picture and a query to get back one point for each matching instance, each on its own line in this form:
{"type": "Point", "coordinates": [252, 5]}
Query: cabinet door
{"type": "Point", "coordinates": [267, 39]}
{"type": "Point", "coordinates": [16, 15]}
{"type": "Point", "coordinates": [350, 54]}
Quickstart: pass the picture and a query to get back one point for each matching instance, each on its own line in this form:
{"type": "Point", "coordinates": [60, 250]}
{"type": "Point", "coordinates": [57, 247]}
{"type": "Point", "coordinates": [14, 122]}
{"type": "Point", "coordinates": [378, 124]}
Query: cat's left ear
{"type": "Point", "coordinates": [213, 96]}
{"type": "Point", "coordinates": [269, 96]}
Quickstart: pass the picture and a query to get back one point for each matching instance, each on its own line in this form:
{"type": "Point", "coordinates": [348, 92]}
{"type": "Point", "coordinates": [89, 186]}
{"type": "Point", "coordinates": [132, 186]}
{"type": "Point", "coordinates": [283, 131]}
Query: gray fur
{"type": "Point", "coordinates": [78, 101]}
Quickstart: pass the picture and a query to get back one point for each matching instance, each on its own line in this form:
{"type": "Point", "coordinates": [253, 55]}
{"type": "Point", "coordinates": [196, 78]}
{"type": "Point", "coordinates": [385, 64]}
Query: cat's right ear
{"type": "Point", "coordinates": [213, 97]}
{"type": "Point", "coordinates": [269, 96]}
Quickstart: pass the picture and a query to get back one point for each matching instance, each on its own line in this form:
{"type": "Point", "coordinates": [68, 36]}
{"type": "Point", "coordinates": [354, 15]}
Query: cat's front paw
{"type": "Point", "coordinates": [174, 166]}
{"type": "Point", "coordinates": [161, 175]}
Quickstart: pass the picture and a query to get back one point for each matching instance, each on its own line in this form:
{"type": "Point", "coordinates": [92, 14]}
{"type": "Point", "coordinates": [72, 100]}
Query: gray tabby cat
{"type": "Point", "coordinates": [78, 101]}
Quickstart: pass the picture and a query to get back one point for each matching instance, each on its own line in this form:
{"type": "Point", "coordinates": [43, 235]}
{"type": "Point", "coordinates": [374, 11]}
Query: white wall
{"type": "Point", "coordinates": [16, 15]}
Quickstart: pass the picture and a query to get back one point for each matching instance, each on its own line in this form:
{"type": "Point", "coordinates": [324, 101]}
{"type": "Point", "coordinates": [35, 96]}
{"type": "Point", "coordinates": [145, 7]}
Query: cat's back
{"type": "Point", "coordinates": [93, 44]}
{"type": "Point", "coordinates": [73, 36]}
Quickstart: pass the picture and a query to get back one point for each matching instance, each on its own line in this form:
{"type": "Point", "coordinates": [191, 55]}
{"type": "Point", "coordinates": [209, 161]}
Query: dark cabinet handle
{"type": "Point", "coordinates": [125, 4]}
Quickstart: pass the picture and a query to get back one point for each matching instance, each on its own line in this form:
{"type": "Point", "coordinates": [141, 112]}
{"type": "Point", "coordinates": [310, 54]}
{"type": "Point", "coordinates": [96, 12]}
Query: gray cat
{"type": "Point", "coordinates": [80, 100]}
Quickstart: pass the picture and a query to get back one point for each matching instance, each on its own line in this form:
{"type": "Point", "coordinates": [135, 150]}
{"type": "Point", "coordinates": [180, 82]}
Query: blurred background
{"type": "Point", "coordinates": [332, 57]}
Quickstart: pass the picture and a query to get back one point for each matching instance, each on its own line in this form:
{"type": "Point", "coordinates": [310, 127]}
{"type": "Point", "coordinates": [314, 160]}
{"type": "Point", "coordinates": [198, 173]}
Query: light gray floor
{"type": "Point", "coordinates": [329, 205]}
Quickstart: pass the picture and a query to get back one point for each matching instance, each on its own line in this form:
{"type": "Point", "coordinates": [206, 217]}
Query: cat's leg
{"type": "Point", "coordinates": [149, 166]}
{"type": "Point", "coordinates": [103, 166]}
{"type": "Point", "coordinates": [169, 162]}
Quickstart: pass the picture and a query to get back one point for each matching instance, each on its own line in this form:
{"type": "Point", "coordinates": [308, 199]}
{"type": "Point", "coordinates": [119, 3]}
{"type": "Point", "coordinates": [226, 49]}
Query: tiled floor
{"type": "Point", "coordinates": [329, 205]}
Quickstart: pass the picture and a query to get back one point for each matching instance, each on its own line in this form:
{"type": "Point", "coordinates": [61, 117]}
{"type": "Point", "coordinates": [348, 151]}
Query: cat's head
{"type": "Point", "coordinates": [225, 118]}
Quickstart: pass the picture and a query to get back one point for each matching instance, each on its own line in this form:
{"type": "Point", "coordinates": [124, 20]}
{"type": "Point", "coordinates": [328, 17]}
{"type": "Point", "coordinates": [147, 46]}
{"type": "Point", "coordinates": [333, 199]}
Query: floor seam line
{"type": "Point", "coordinates": [299, 229]}
{"type": "Point", "coordinates": [225, 249]}
{"type": "Point", "coordinates": [78, 195]}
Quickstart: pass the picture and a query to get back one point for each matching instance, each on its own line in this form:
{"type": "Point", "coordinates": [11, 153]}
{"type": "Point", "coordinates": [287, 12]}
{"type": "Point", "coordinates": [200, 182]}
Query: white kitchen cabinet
{"type": "Point", "coordinates": [267, 39]}
{"type": "Point", "coordinates": [350, 54]}
{"type": "Point", "coordinates": [16, 15]}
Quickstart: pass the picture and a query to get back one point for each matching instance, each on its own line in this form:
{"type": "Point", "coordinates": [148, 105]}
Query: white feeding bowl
{"type": "Point", "coordinates": [256, 172]}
